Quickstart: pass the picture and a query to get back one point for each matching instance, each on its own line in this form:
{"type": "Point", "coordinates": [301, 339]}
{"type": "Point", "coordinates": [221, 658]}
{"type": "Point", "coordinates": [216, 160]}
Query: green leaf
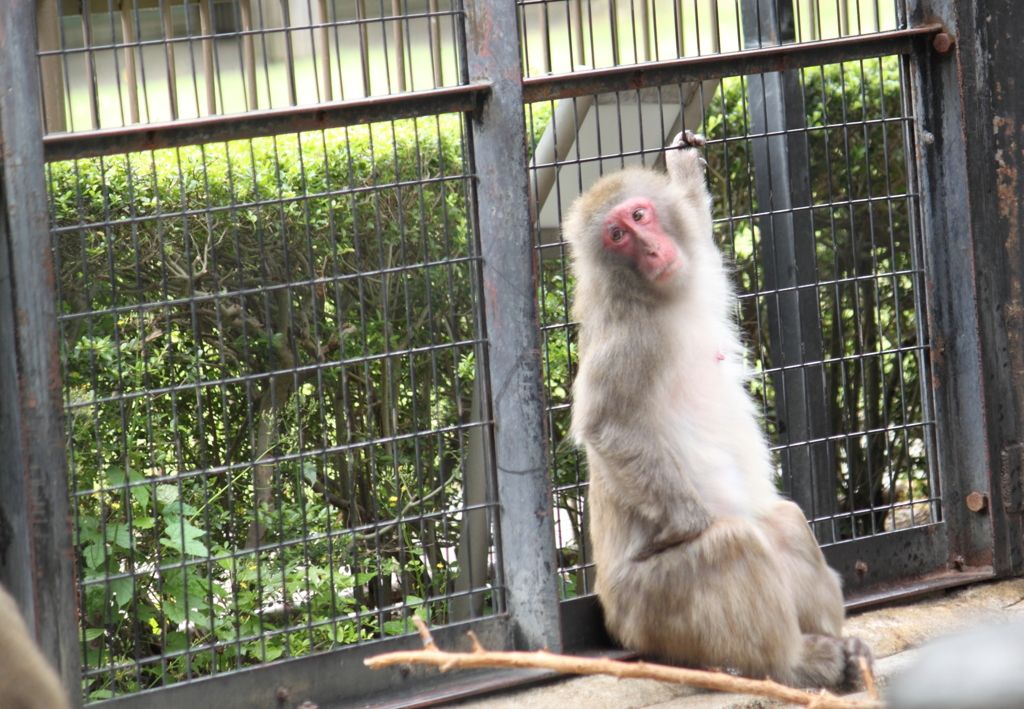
{"type": "Point", "coordinates": [183, 536]}
{"type": "Point", "coordinates": [94, 555]}
{"type": "Point", "coordinates": [396, 627]}
{"type": "Point", "coordinates": [309, 471]}
{"type": "Point", "coordinates": [121, 591]}
{"type": "Point", "coordinates": [166, 494]}
{"type": "Point", "coordinates": [118, 534]}
{"type": "Point", "coordinates": [174, 612]}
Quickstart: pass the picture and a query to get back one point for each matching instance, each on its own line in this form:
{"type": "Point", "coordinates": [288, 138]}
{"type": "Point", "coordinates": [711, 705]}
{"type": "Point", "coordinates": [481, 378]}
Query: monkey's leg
{"type": "Point", "coordinates": [814, 586]}
{"type": "Point", "coordinates": [818, 596]}
{"type": "Point", "coordinates": [716, 601]}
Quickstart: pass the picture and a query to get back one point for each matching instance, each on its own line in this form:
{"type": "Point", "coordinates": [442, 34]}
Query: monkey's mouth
{"type": "Point", "coordinates": [669, 270]}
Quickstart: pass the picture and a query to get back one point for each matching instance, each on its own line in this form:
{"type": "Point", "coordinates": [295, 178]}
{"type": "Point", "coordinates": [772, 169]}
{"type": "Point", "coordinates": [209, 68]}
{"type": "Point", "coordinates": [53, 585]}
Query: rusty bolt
{"type": "Point", "coordinates": [977, 502]}
{"type": "Point", "coordinates": [861, 568]}
{"type": "Point", "coordinates": [943, 42]}
{"type": "Point", "coordinates": [959, 562]}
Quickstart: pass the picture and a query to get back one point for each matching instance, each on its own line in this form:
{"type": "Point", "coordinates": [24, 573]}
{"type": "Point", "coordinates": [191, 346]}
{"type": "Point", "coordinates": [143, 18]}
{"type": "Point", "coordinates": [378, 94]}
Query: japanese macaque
{"type": "Point", "coordinates": [26, 680]}
{"type": "Point", "coordinates": [699, 561]}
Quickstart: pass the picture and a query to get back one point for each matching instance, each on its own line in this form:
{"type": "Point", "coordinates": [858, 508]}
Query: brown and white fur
{"type": "Point", "coordinates": [26, 680]}
{"type": "Point", "coordinates": [699, 561]}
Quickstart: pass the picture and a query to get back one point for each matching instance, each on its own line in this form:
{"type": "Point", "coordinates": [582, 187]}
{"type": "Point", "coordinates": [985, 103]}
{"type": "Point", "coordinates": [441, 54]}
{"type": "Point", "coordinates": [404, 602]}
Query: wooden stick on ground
{"type": "Point", "coordinates": [568, 664]}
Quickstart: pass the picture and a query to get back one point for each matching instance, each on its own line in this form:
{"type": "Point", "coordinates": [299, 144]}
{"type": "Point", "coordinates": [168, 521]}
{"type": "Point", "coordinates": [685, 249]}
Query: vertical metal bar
{"type": "Point", "coordinates": [128, 38]}
{"type": "Point", "coordinates": [52, 71]}
{"type": "Point", "coordinates": [789, 262]}
{"type": "Point", "coordinates": [206, 27]}
{"type": "Point", "coordinates": [510, 291]}
{"type": "Point", "coordinates": [576, 28]}
{"type": "Point", "coordinates": [399, 35]}
{"type": "Point", "coordinates": [172, 69]}
{"type": "Point", "coordinates": [613, 26]}
{"type": "Point", "coordinates": [544, 32]}
{"type": "Point", "coordinates": [248, 54]}
{"type": "Point", "coordinates": [435, 44]}
{"type": "Point", "coordinates": [968, 162]}
{"type": "Point", "coordinates": [289, 52]}
{"type": "Point", "coordinates": [325, 52]}
{"type": "Point", "coordinates": [643, 18]}
{"type": "Point", "coordinates": [36, 554]}
{"type": "Point", "coordinates": [90, 64]}
{"type": "Point", "coordinates": [364, 45]}
{"type": "Point", "coordinates": [473, 544]}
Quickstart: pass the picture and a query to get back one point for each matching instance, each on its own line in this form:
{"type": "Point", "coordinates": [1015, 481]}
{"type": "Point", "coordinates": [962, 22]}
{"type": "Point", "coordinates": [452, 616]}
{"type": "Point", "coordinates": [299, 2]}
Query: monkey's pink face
{"type": "Point", "coordinates": [632, 230]}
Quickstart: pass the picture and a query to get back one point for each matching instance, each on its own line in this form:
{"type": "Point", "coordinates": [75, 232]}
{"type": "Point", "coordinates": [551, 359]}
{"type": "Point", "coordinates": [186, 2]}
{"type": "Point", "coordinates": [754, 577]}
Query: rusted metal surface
{"type": "Point", "coordinates": [257, 124]}
{"type": "Point", "coordinates": [871, 562]}
{"type": "Point", "coordinates": [716, 66]}
{"type": "Point", "coordinates": [36, 554]}
{"type": "Point", "coordinates": [966, 164]}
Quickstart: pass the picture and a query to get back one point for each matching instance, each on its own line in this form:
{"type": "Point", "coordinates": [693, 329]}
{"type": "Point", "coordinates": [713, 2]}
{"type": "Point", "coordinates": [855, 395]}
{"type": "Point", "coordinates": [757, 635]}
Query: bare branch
{"type": "Point", "coordinates": [405, 510]}
{"type": "Point", "coordinates": [869, 677]}
{"type": "Point", "coordinates": [568, 664]}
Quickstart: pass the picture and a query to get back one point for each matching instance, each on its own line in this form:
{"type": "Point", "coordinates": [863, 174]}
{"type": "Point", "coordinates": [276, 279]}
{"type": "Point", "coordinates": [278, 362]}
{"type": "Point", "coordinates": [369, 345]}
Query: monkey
{"type": "Point", "coordinates": [26, 680]}
{"type": "Point", "coordinates": [699, 560]}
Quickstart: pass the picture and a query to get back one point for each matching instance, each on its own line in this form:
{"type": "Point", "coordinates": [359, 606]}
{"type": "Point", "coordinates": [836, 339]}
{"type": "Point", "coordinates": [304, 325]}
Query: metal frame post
{"type": "Point", "coordinates": [514, 360]}
{"type": "Point", "coordinates": [969, 163]}
{"type": "Point", "coordinates": [36, 553]}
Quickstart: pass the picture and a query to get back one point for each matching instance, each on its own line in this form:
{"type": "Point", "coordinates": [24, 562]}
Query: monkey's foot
{"type": "Point", "coordinates": [688, 142]}
{"type": "Point", "coordinates": [688, 139]}
{"type": "Point", "coordinates": [854, 649]}
{"type": "Point", "coordinates": [683, 158]}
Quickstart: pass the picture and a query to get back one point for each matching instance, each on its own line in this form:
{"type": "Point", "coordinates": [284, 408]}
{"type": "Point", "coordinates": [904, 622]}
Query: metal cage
{"type": "Point", "coordinates": [291, 346]}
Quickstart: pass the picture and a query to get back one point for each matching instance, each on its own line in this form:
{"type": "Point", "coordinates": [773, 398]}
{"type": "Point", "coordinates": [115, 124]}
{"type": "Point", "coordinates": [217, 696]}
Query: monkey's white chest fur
{"type": "Point", "coordinates": [712, 424]}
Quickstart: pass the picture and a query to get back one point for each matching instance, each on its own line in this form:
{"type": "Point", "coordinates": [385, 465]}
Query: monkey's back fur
{"type": "Point", "coordinates": [699, 560]}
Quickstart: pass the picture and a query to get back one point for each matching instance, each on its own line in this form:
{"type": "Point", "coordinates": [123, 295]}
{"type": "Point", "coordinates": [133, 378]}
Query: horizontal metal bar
{"type": "Point", "coordinates": [258, 124]}
{"type": "Point", "coordinates": [717, 66]}
{"type": "Point", "coordinates": [919, 587]}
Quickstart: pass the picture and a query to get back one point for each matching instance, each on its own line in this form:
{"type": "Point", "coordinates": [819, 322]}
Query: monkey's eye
{"type": "Point", "coordinates": [617, 235]}
{"type": "Point", "coordinates": [638, 214]}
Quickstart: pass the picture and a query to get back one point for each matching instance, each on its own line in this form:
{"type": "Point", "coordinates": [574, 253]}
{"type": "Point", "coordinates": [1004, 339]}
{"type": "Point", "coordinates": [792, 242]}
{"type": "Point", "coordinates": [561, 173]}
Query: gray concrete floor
{"type": "Point", "coordinates": [893, 633]}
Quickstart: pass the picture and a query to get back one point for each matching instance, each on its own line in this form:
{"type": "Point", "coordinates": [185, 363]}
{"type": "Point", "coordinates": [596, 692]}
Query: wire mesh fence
{"type": "Point", "coordinates": [107, 64]}
{"type": "Point", "coordinates": [576, 35]}
{"type": "Point", "coordinates": [268, 354]}
{"type": "Point", "coordinates": [275, 351]}
{"type": "Point", "coordinates": [815, 206]}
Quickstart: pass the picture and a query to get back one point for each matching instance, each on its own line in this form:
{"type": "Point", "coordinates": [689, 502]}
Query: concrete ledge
{"type": "Point", "coordinates": [893, 632]}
